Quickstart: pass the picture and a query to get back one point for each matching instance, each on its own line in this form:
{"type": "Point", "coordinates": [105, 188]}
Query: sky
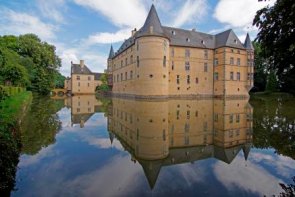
{"type": "Point", "coordinates": [85, 29]}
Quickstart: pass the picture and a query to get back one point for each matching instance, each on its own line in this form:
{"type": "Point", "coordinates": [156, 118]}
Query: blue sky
{"type": "Point", "coordinates": [85, 29]}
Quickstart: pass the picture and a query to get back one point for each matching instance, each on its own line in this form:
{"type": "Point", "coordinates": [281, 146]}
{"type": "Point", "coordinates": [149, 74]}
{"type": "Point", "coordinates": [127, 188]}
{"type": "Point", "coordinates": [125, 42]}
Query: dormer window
{"type": "Point", "coordinates": [203, 42]}
{"type": "Point", "coordinates": [188, 40]}
{"type": "Point", "coordinates": [235, 41]}
{"type": "Point", "coordinates": [173, 32]}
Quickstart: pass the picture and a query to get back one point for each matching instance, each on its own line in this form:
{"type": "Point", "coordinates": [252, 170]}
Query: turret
{"type": "Point", "coordinates": [110, 61]}
{"type": "Point", "coordinates": [250, 62]}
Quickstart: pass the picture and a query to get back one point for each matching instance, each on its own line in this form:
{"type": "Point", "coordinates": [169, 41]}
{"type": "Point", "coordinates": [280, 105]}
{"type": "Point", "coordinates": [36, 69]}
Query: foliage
{"type": "Point", "coordinates": [289, 190]}
{"type": "Point", "coordinates": [261, 68]}
{"type": "Point", "coordinates": [27, 61]}
{"type": "Point", "coordinates": [10, 111]}
{"type": "Point", "coordinates": [277, 38]}
{"type": "Point", "coordinates": [104, 87]}
{"type": "Point", "coordinates": [40, 124]}
{"type": "Point", "coordinates": [272, 83]}
{"type": "Point", "coordinates": [274, 120]}
{"type": "Point", "coordinates": [59, 80]}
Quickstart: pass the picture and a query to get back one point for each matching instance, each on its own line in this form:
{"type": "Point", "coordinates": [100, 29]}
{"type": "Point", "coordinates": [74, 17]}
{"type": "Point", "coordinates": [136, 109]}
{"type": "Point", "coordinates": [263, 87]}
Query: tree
{"type": "Point", "coordinates": [272, 83]}
{"type": "Point", "coordinates": [59, 80]}
{"type": "Point", "coordinates": [261, 68]}
{"type": "Point", "coordinates": [277, 38]}
{"type": "Point", "coordinates": [104, 87]}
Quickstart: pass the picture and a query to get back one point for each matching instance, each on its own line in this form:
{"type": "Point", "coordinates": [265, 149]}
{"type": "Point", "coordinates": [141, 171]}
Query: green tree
{"type": "Point", "coordinates": [59, 80]}
{"type": "Point", "coordinates": [272, 82]}
{"type": "Point", "coordinates": [104, 87]}
{"type": "Point", "coordinates": [277, 38]}
{"type": "Point", "coordinates": [261, 68]}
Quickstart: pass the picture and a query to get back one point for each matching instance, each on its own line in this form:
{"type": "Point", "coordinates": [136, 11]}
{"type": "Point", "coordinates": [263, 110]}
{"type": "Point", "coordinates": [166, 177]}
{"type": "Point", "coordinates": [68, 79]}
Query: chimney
{"type": "Point", "coordinates": [82, 63]}
{"type": "Point", "coordinates": [133, 32]}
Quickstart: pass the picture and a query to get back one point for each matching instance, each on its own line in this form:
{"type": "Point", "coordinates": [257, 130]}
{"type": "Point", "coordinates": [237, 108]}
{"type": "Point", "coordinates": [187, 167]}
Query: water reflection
{"type": "Point", "coordinates": [120, 147]}
{"type": "Point", "coordinates": [171, 132]}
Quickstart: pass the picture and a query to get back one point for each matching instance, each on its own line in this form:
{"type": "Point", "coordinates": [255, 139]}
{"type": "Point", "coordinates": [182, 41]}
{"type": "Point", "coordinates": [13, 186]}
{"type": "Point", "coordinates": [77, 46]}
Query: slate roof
{"type": "Point", "coordinates": [182, 37]}
{"type": "Point", "coordinates": [111, 54]}
{"type": "Point", "coordinates": [152, 20]}
{"type": "Point", "coordinates": [77, 69]}
{"type": "Point", "coordinates": [248, 44]}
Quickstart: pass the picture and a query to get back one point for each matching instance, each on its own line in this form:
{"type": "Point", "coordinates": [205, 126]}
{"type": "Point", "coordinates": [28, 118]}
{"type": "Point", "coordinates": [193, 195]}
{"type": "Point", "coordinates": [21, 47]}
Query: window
{"type": "Point", "coordinates": [249, 76]}
{"type": "Point", "coordinates": [238, 61]}
{"type": "Point", "coordinates": [188, 80]}
{"type": "Point", "coordinates": [121, 76]}
{"type": "Point", "coordinates": [117, 77]}
{"type": "Point", "coordinates": [231, 118]}
{"type": "Point", "coordinates": [231, 75]}
{"type": "Point", "coordinates": [131, 74]}
{"type": "Point", "coordinates": [114, 78]}
{"type": "Point", "coordinates": [186, 140]}
{"type": "Point", "coordinates": [172, 52]}
{"type": "Point", "coordinates": [238, 76]}
{"type": "Point", "coordinates": [187, 53]}
{"type": "Point", "coordinates": [126, 61]}
{"type": "Point", "coordinates": [206, 54]}
{"type": "Point", "coordinates": [216, 75]}
{"type": "Point", "coordinates": [78, 83]}
{"type": "Point", "coordinates": [187, 66]}
{"type": "Point", "coordinates": [239, 52]}
{"type": "Point", "coordinates": [78, 77]}
{"type": "Point", "coordinates": [137, 46]}
{"type": "Point", "coordinates": [88, 84]}
{"type": "Point", "coordinates": [188, 40]}
{"type": "Point", "coordinates": [238, 118]}
{"type": "Point", "coordinates": [205, 67]}
{"type": "Point", "coordinates": [151, 76]}
{"type": "Point", "coordinates": [125, 75]}
{"type": "Point", "coordinates": [131, 59]}
{"type": "Point", "coordinates": [89, 78]}
{"type": "Point", "coordinates": [215, 61]}
{"type": "Point", "coordinates": [177, 79]}
{"type": "Point", "coordinates": [164, 61]}
{"type": "Point", "coordinates": [186, 126]}
{"type": "Point", "coordinates": [197, 80]}
{"type": "Point", "coordinates": [231, 61]}
{"type": "Point", "coordinates": [215, 117]}
{"type": "Point", "coordinates": [137, 61]}
{"type": "Point", "coordinates": [121, 63]}
{"type": "Point", "coordinates": [173, 32]}
{"type": "Point", "coordinates": [172, 65]}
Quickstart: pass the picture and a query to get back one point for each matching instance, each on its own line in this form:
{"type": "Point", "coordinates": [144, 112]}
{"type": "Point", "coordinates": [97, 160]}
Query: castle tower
{"type": "Point", "coordinates": [152, 57]}
{"type": "Point", "coordinates": [110, 62]}
{"type": "Point", "coordinates": [250, 62]}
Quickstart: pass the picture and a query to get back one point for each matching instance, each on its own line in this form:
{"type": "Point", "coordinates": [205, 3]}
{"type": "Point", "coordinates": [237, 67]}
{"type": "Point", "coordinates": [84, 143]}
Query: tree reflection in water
{"type": "Point", "coordinates": [274, 124]}
{"type": "Point", "coordinates": [41, 124]}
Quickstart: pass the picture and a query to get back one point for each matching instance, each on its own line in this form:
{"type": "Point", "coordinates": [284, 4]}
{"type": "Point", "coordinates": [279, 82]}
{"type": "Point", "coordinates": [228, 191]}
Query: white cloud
{"type": "Point", "coordinates": [191, 11]}
{"type": "Point", "coordinates": [130, 13]}
{"type": "Point", "coordinates": [52, 9]}
{"type": "Point", "coordinates": [238, 13]}
{"type": "Point", "coordinates": [107, 38]}
{"type": "Point", "coordinates": [247, 176]}
{"type": "Point", "coordinates": [21, 23]}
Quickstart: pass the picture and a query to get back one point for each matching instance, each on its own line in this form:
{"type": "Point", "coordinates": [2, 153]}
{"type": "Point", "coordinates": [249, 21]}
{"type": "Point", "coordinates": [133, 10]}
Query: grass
{"type": "Point", "coordinates": [12, 110]}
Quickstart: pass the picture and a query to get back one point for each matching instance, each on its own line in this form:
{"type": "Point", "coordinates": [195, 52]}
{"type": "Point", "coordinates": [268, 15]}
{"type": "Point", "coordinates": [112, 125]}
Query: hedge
{"type": "Point", "coordinates": [7, 91]}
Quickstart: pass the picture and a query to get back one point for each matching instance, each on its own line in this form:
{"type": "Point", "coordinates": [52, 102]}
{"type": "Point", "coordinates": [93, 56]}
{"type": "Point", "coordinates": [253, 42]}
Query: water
{"type": "Point", "coordinates": [83, 146]}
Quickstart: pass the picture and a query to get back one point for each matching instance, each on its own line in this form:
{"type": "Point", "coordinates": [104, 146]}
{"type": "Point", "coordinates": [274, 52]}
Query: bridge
{"type": "Point", "coordinates": [58, 93]}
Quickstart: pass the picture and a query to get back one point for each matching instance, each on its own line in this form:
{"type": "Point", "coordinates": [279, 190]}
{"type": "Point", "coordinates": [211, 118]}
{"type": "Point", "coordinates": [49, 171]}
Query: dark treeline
{"type": "Point", "coordinates": [275, 47]}
{"type": "Point", "coordinates": [28, 62]}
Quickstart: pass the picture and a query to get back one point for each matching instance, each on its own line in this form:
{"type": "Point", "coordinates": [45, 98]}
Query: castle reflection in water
{"type": "Point", "coordinates": [168, 132]}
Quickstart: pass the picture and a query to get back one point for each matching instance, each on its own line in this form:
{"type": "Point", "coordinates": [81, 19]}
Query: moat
{"type": "Point", "coordinates": [86, 146]}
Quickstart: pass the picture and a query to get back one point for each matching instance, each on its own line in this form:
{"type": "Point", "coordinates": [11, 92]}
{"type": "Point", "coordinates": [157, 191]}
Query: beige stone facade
{"type": "Point", "coordinates": [158, 61]}
{"type": "Point", "coordinates": [82, 80]}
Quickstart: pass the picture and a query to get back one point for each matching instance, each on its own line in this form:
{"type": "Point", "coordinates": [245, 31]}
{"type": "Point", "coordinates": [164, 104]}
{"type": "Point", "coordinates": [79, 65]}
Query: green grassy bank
{"type": "Point", "coordinates": [12, 110]}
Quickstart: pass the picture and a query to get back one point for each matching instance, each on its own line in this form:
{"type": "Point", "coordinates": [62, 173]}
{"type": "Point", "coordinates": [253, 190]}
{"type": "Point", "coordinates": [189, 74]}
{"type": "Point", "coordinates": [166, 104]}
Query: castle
{"type": "Point", "coordinates": [166, 62]}
{"type": "Point", "coordinates": [82, 80]}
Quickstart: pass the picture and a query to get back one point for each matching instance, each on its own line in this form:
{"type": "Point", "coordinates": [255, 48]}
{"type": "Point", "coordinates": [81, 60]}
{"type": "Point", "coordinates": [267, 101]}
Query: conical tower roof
{"type": "Point", "coordinates": [248, 44]}
{"type": "Point", "coordinates": [111, 54]}
{"type": "Point", "coordinates": [152, 24]}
